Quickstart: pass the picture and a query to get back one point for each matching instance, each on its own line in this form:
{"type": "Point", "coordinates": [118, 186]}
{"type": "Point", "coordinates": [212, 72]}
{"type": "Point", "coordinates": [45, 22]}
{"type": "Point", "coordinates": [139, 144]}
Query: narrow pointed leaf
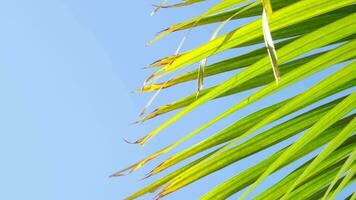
{"type": "Point", "coordinates": [351, 159]}
{"type": "Point", "coordinates": [334, 144]}
{"type": "Point", "coordinates": [349, 176]}
{"type": "Point", "coordinates": [276, 192]}
{"type": "Point", "coordinates": [327, 120]}
{"type": "Point", "coordinates": [309, 188]}
{"type": "Point", "coordinates": [247, 177]}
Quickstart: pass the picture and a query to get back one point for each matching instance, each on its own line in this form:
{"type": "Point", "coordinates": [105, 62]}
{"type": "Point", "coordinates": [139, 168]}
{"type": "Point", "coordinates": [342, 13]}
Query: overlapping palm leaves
{"type": "Point", "coordinates": [303, 29]}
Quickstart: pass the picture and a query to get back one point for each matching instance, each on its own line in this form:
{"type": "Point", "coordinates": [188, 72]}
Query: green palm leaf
{"type": "Point", "coordinates": [240, 181]}
{"type": "Point", "coordinates": [349, 176]}
{"type": "Point", "coordinates": [328, 34]}
{"type": "Point", "coordinates": [310, 36]}
{"type": "Point", "coordinates": [338, 140]}
{"type": "Point", "coordinates": [346, 166]}
{"type": "Point", "coordinates": [247, 177]}
{"type": "Point", "coordinates": [279, 189]}
{"type": "Point", "coordinates": [331, 117]}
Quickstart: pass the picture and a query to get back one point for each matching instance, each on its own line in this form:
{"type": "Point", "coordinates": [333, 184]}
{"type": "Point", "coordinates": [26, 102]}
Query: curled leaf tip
{"type": "Point", "coordinates": [129, 142]}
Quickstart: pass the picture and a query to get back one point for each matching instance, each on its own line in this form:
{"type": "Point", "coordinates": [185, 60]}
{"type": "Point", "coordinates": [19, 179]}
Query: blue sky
{"type": "Point", "coordinates": [67, 69]}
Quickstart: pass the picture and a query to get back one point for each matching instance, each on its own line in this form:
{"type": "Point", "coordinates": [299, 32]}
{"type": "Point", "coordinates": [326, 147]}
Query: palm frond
{"type": "Point", "coordinates": [309, 36]}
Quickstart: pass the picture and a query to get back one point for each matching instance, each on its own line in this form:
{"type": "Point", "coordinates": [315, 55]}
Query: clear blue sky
{"type": "Point", "coordinates": [67, 69]}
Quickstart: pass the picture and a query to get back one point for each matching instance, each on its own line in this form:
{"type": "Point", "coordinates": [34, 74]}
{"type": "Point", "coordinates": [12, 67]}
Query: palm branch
{"type": "Point", "coordinates": [309, 36]}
